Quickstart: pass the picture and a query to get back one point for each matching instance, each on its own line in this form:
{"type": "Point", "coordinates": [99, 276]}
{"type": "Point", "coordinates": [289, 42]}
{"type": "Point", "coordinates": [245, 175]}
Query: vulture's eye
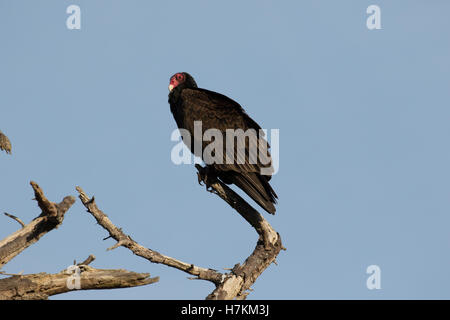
{"type": "Point", "coordinates": [179, 77]}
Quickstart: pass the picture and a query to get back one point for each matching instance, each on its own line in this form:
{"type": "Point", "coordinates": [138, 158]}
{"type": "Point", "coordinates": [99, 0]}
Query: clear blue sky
{"type": "Point", "coordinates": [364, 128]}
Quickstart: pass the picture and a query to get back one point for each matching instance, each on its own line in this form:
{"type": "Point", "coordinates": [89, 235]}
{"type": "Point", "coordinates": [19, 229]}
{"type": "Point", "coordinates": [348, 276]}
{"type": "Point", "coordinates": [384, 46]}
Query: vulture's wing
{"type": "Point", "coordinates": [217, 111]}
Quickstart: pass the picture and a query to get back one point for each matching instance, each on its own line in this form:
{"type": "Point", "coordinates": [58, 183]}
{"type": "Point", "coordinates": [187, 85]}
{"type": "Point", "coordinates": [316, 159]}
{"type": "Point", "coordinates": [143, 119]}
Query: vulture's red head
{"type": "Point", "coordinates": [182, 79]}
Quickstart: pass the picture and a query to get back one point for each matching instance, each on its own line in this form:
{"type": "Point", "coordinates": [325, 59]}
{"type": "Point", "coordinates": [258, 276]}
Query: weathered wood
{"type": "Point", "coordinates": [42, 285]}
{"type": "Point", "coordinates": [14, 218]}
{"type": "Point", "coordinates": [149, 254]}
{"type": "Point", "coordinates": [51, 217]}
{"type": "Point", "coordinates": [241, 278]}
{"type": "Point", "coordinates": [233, 285]}
{"type": "Point", "coordinates": [87, 261]}
{"type": "Point", "coordinates": [250, 214]}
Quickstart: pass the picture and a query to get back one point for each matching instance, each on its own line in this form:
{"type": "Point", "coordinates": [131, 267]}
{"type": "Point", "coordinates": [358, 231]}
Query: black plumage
{"type": "Point", "coordinates": [188, 103]}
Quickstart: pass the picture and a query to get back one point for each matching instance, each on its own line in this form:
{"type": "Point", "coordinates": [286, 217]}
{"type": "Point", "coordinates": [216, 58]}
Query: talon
{"type": "Point", "coordinates": [205, 177]}
{"type": "Point", "coordinates": [200, 178]}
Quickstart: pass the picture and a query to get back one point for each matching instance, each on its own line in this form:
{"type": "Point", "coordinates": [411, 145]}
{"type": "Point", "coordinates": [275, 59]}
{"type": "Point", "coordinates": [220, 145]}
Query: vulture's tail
{"type": "Point", "coordinates": [256, 187]}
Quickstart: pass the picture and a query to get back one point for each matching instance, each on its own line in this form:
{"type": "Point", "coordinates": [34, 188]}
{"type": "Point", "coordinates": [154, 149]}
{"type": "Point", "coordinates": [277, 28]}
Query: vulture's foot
{"type": "Point", "coordinates": [207, 176]}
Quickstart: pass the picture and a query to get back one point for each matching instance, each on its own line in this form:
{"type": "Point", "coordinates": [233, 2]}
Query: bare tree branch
{"type": "Point", "coordinates": [233, 285]}
{"type": "Point", "coordinates": [42, 285]}
{"type": "Point", "coordinates": [5, 144]}
{"type": "Point", "coordinates": [151, 255]}
{"type": "Point", "coordinates": [267, 234]}
{"type": "Point", "coordinates": [87, 261]}
{"type": "Point", "coordinates": [14, 218]}
{"type": "Point", "coordinates": [241, 278]}
{"type": "Point", "coordinates": [51, 217]}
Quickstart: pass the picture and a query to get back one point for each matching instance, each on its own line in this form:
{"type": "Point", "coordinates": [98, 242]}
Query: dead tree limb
{"type": "Point", "coordinates": [51, 217]}
{"type": "Point", "coordinates": [14, 218]}
{"type": "Point", "coordinates": [87, 261]}
{"type": "Point", "coordinates": [241, 278]}
{"type": "Point", "coordinates": [42, 285]}
{"type": "Point", "coordinates": [233, 285]}
{"type": "Point", "coordinates": [5, 144]}
{"type": "Point", "coordinates": [151, 255]}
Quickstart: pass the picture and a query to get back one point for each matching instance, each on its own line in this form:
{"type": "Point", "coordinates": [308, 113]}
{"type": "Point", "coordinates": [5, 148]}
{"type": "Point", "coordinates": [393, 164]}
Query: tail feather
{"type": "Point", "coordinates": [256, 187]}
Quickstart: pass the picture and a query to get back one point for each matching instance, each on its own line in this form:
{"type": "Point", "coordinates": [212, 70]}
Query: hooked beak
{"type": "Point", "coordinates": [170, 87]}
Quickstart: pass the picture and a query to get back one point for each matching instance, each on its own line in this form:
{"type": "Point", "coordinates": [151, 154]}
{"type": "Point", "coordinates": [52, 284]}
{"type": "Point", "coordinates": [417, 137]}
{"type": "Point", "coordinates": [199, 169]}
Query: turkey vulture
{"type": "Point", "coordinates": [189, 104]}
